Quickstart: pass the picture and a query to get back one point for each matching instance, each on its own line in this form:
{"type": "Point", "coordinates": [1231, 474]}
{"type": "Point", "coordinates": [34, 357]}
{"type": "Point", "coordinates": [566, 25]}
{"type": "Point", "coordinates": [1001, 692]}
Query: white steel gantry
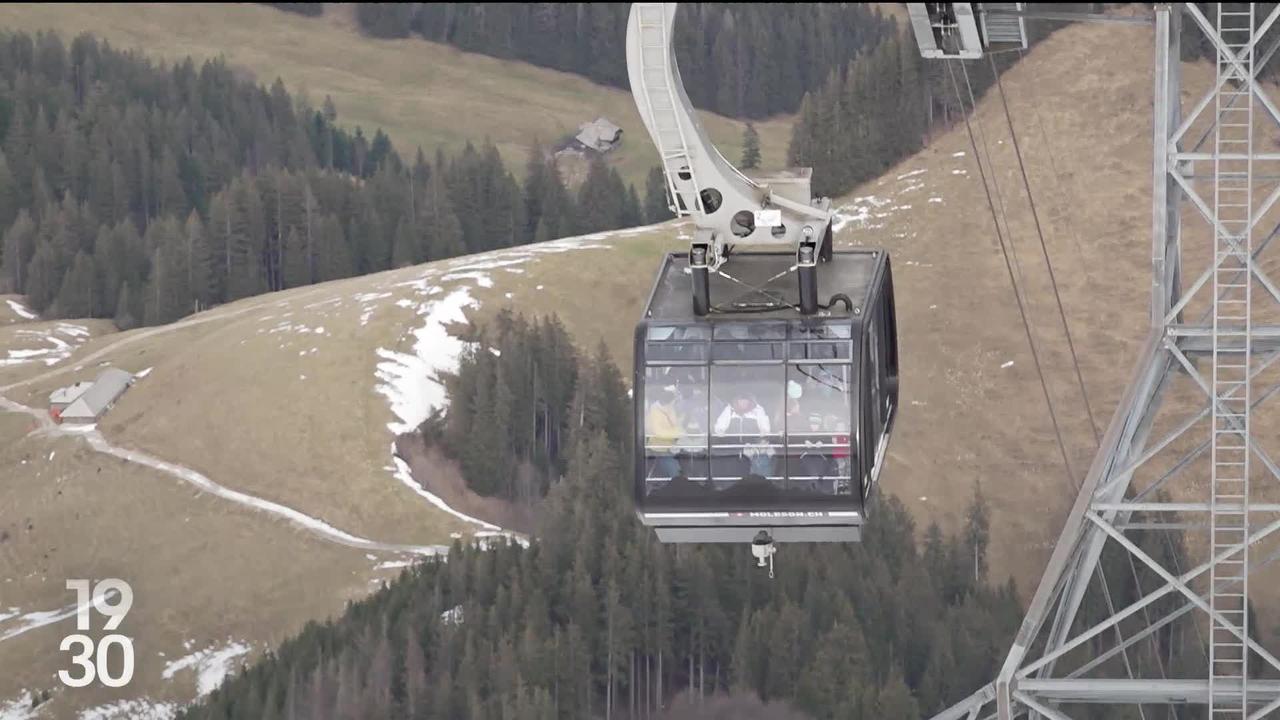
{"type": "Point", "coordinates": [1183, 453]}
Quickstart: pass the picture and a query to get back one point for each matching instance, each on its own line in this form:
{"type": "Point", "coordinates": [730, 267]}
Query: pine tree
{"type": "Point", "coordinates": [656, 208]}
{"type": "Point", "coordinates": [631, 214]}
{"type": "Point", "coordinates": [8, 194]}
{"type": "Point", "coordinates": [127, 312]}
{"type": "Point", "coordinates": [416, 700]}
{"type": "Point", "coordinates": [600, 198]}
{"type": "Point", "coordinates": [895, 699]}
{"type": "Point", "coordinates": [19, 246]}
{"type": "Point", "coordinates": [750, 147]}
{"type": "Point", "coordinates": [296, 260]}
{"type": "Point", "coordinates": [444, 231]}
{"type": "Point", "coordinates": [76, 299]}
{"type": "Point", "coordinates": [44, 274]}
{"type": "Point", "coordinates": [405, 246]}
{"type": "Point", "coordinates": [977, 533]}
{"type": "Point", "coordinates": [333, 255]}
{"type": "Point", "coordinates": [200, 263]}
{"type": "Point", "coordinates": [168, 294]}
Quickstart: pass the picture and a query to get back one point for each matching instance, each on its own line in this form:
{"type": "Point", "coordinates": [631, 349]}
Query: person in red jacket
{"type": "Point", "coordinates": [841, 454]}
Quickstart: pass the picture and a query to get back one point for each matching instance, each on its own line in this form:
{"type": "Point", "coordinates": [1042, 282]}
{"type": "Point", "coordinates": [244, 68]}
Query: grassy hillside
{"type": "Point", "coordinates": [423, 94]}
{"type": "Point", "coordinates": [294, 397]}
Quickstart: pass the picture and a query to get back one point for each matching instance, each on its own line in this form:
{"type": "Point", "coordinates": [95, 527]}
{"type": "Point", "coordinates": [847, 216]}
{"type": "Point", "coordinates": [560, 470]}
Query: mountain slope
{"type": "Point", "coordinates": [295, 397]}
{"type": "Point", "coordinates": [422, 94]}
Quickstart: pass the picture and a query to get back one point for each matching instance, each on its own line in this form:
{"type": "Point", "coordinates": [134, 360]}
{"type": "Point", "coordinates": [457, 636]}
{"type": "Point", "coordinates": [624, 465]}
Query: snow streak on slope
{"type": "Point", "coordinates": [39, 619]}
{"type": "Point", "coordinates": [411, 382]}
{"type": "Point", "coordinates": [21, 311]}
{"type": "Point", "coordinates": [315, 525]}
{"type": "Point", "coordinates": [17, 709]}
{"type": "Point", "coordinates": [137, 709]}
{"type": "Point", "coordinates": [211, 665]}
{"type": "Point", "coordinates": [59, 342]}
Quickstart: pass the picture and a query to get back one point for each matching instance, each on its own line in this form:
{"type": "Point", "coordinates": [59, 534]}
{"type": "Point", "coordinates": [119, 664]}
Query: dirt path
{"type": "Point", "coordinates": [186, 474]}
{"type": "Point", "coordinates": [100, 444]}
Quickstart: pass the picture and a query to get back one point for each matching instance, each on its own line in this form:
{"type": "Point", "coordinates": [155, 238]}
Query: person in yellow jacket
{"type": "Point", "coordinates": [665, 427]}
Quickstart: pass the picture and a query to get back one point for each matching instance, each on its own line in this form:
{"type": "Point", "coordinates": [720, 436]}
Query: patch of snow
{"type": "Point", "coordinates": [138, 709]}
{"type": "Point", "coordinates": [508, 295]}
{"type": "Point", "coordinates": [211, 665]}
{"type": "Point", "coordinates": [902, 207]}
{"type": "Point", "coordinates": [480, 278]}
{"type": "Point", "coordinates": [287, 326]}
{"type": "Point", "coordinates": [370, 297]}
{"type": "Point", "coordinates": [322, 303]}
{"type": "Point", "coordinates": [860, 211]}
{"type": "Point", "coordinates": [39, 619]}
{"type": "Point", "coordinates": [410, 381]}
{"type": "Point", "coordinates": [20, 707]}
{"type": "Point", "coordinates": [913, 173]}
{"type": "Point", "coordinates": [58, 351]}
{"type": "Point", "coordinates": [958, 154]}
{"type": "Point", "coordinates": [405, 303]}
{"type": "Point", "coordinates": [453, 616]}
{"type": "Point", "coordinates": [203, 483]}
{"type": "Point", "coordinates": [21, 310]}
{"type": "Point", "coordinates": [933, 307]}
{"type": "Point", "coordinates": [144, 373]}
{"type": "Point", "coordinates": [1008, 364]}
{"type": "Point", "coordinates": [71, 330]}
{"type": "Point", "coordinates": [959, 172]}
{"type": "Point", "coordinates": [302, 377]}
{"type": "Point", "coordinates": [923, 498]}
{"type": "Point", "coordinates": [52, 453]}
{"type": "Point", "coordinates": [496, 352]}
{"type": "Point", "coordinates": [918, 403]}
{"type": "Point", "coordinates": [935, 199]}
{"type": "Point", "coordinates": [538, 288]}
{"type": "Point", "coordinates": [393, 564]}
{"type": "Point", "coordinates": [403, 474]}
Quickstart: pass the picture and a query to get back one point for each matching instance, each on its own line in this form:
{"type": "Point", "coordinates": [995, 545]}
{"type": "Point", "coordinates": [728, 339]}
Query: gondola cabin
{"type": "Point", "coordinates": [755, 417]}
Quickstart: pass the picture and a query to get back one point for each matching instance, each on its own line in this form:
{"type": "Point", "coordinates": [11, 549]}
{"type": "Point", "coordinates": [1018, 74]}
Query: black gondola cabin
{"type": "Point", "coordinates": [755, 417]}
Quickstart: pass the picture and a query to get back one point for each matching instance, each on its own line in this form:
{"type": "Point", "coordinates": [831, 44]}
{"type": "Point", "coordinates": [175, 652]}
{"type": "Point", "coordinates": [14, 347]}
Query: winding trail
{"type": "Point", "coordinates": [314, 525]}
{"type": "Point", "coordinates": [297, 517]}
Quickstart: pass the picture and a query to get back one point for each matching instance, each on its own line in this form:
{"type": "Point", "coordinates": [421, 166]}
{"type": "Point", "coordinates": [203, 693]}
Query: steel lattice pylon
{"type": "Point", "coordinates": [1187, 416]}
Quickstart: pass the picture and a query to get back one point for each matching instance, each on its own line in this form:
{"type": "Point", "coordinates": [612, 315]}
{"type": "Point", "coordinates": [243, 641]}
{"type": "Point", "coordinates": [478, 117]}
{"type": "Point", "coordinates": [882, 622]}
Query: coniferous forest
{"type": "Point", "coordinates": [594, 618]}
{"type": "Point", "coordinates": [144, 192]}
{"type": "Point", "coordinates": [748, 60]}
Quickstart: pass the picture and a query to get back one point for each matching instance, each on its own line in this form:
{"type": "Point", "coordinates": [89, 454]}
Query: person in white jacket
{"type": "Point", "coordinates": [745, 418]}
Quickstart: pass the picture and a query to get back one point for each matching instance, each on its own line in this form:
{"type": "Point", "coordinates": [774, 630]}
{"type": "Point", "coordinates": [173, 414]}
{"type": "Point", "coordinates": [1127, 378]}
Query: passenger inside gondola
{"type": "Point", "coordinates": [666, 428]}
{"type": "Point", "coordinates": [744, 425]}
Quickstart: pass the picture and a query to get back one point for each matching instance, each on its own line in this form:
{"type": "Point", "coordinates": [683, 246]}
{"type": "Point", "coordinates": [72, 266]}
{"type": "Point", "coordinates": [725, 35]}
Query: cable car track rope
{"type": "Point", "coordinates": [1058, 298]}
{"type": "Point", "coordinates": [1044, 251]}
{"type": "Point", "coordinates": [1026, 321]}
{"type": "Point", "coordinates": [1008, 263]}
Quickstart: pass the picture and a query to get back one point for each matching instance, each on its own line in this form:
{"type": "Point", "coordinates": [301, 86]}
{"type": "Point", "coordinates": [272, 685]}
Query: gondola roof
{"type": "Point", "coordinates": [734, 292]}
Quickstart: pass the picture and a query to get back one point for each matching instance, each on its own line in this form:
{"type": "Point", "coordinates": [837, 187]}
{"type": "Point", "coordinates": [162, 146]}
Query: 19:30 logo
{"type": "Point", "coordinates": [112, 598]}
